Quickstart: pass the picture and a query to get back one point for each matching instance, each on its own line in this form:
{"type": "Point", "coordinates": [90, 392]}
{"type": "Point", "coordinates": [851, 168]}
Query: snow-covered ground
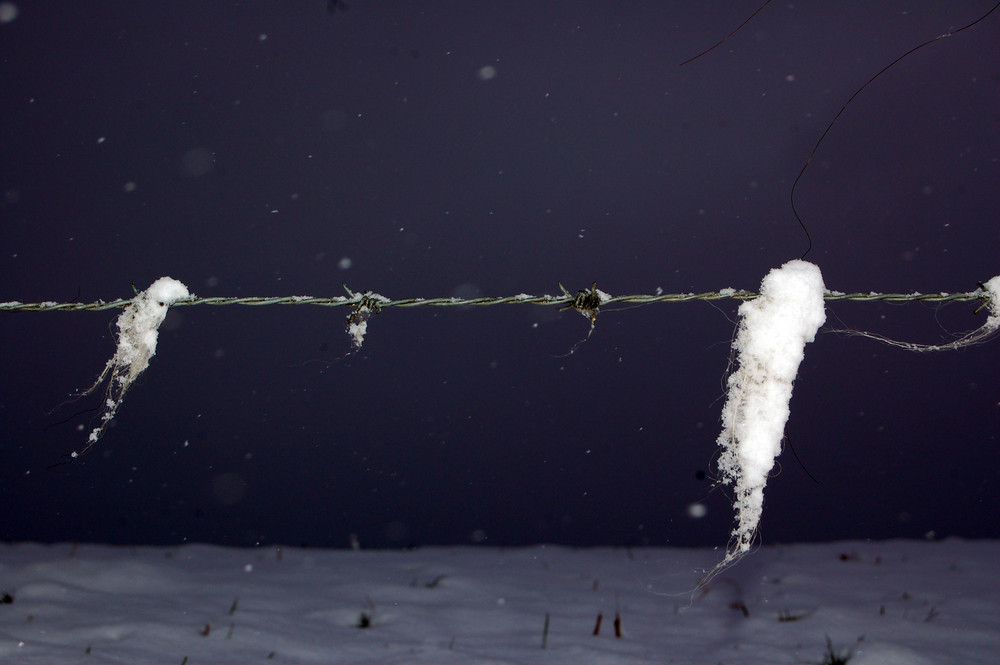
{"type": "Point", "coordinates": [878, 602]}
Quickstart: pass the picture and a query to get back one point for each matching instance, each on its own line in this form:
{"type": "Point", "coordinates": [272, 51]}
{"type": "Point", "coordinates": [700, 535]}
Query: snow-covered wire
{"type": "Point", "coordinates": [519, 299]}
{"type": "Point", "coordinates": [977, 336]}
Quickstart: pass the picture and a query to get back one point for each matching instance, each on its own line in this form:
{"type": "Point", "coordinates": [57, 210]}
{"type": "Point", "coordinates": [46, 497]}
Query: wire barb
{"type": "Point", "coordinates": [366, 305]}
{"type": "Point", "coordinates": [587, 302]}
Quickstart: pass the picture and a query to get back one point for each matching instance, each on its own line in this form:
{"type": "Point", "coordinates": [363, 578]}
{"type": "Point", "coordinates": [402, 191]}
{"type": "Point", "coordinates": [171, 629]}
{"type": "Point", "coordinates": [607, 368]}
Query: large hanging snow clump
{"type": "Point", "coordinates": [770, 343]}
{"type": "Point", "coordinates": [138, 328]}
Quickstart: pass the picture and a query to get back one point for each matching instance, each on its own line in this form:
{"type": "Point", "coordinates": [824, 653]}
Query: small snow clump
{"type": "Point", "coordinates": [138, 328]}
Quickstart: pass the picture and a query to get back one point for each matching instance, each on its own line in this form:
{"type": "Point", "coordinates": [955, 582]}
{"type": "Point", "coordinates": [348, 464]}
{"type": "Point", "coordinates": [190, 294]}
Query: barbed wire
{"type": "Point", "coordinates": [565, 300]}
{"type": "Point", "coordinates": [138, 324]}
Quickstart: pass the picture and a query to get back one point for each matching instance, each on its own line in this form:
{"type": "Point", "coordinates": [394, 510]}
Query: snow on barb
{"type": "Point", "coordinates": [357, 322]}
{"type": "Point", "coordinates": [138, 328]}
{"type": "Point", "coordinates": [770, 343]}
{"type": "Point", "coordinates": [357, 325]}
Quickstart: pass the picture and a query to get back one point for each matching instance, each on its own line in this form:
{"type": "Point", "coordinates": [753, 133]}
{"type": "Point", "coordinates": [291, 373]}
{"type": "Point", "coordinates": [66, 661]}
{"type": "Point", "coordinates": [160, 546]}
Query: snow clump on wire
{"type": "Point", "coordinates": [770, 344]}
{"type": "Point", "coordinates": [138, 327]}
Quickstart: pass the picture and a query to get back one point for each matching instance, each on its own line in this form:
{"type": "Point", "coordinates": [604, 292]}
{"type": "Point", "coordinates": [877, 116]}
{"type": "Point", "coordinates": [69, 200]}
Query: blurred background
{"type": "Point", "coordinates": [261, 148]}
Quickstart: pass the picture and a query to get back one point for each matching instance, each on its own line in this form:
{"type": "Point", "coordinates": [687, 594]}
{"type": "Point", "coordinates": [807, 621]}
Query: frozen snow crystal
{"type": "Point", "coordinates": [138, 327]}
{"type": "Point", "coordinates": [770, 343]}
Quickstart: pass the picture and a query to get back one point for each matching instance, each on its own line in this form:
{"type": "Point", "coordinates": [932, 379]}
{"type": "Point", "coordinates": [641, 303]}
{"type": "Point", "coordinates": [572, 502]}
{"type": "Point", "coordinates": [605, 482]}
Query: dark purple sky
{"type": "Point", "coordinates": [258, 148]}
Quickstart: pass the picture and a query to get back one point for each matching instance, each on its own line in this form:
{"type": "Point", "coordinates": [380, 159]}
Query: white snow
{"type": "Point", "coordinates": [770, 343]}
{"type": "Point", "coordinates": [138, 330]}
{"type": "Point", "coordinates": [139, 324]}
{"type": "Point", "coordinates": [884, 602]}
{"type": "Point", "coordinates": [368, 304]}
{"type": "Point", "coordinates": [993, 289]}
{"type": "Point", "coordinates": [357, 325]}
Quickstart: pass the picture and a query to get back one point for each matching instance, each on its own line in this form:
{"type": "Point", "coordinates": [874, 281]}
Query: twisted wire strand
{"type": "Point", "coordinates": [520, 299]}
